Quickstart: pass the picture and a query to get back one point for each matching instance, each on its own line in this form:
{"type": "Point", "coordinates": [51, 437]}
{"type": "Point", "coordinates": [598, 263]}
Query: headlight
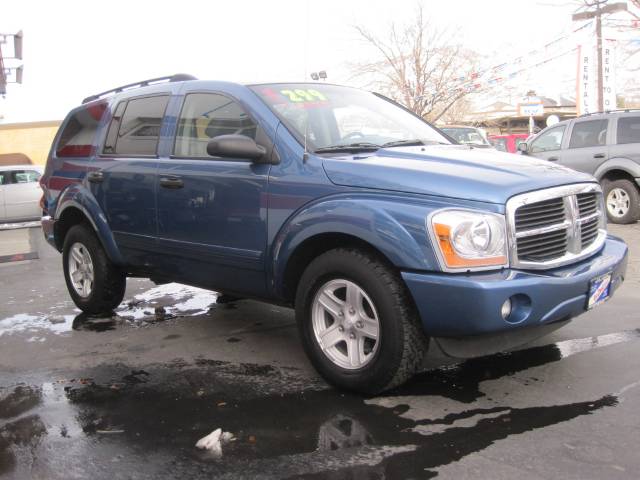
{"type": "Point", "coordinates": [468, 240]}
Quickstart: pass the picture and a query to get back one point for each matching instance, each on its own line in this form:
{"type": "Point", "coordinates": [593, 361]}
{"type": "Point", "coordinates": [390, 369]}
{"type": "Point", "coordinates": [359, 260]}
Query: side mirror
{"type": "Point", "coordinates": [523, 147]}
{"type": "Point", "coordinates": [235, 146]}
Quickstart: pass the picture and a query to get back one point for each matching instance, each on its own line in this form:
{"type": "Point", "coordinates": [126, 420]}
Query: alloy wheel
{"type": "Point", "coordinates": [618, 202]}
{"type": "Point", "coordinates": [81, 269]}
{"type": "Point", "coordinates": [345, 324]}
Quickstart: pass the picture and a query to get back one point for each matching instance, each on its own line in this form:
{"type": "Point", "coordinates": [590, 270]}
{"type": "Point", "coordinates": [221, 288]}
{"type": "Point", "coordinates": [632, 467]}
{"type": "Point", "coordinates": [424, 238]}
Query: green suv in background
{"type": "Point", "coordinates": [606, 145]}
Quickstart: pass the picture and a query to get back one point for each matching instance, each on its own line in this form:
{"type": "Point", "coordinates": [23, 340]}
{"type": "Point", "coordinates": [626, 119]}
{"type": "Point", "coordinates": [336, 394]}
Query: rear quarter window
{"type": "Point", "coordinates": [629, 130]}
{"type": "Point", "coordinates": [78, 134]}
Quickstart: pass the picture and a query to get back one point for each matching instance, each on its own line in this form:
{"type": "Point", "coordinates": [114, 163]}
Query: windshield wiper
{"type": "Point", "coordinates": [351, 147]}
{"type": "Point", "coordinates": [403, 143]}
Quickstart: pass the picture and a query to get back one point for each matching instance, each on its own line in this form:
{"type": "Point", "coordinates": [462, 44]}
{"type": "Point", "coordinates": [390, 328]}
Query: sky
{"type": "Point", "coordinates": [73, 49]}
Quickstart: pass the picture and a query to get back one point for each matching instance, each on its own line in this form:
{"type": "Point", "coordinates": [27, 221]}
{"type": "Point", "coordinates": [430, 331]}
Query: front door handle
{"type": "Point", "coordinates": [553, 159]}
{"type": "Point", "coordinates": [598, 155]}
{"type": "Point", "coordinates": [171, 182]}
{"type": "Point", "coordinates": [95, 176]}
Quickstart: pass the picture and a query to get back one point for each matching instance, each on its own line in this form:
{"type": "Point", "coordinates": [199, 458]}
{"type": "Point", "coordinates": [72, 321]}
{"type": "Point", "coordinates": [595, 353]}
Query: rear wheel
{"type": "Point", "coordinates": [95, 284]}
{"type": "Point", "coordinates": [622, 201]}
{"type": "Point", "coordinates": [358, 324]}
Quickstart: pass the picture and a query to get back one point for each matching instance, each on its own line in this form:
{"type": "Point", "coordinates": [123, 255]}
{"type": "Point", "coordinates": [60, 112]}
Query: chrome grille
{"type": "Point", "coordinates": [540, 214]}
{"type": "Point", "coordinates": [556, 226]}
{"type": "Point", "coordinates": [542, 247]}
{"type": "Point", "coordinates": [587, 203]}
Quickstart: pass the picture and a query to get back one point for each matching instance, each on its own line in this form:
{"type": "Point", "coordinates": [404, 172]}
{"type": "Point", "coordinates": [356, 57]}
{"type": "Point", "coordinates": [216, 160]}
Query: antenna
{"type": "Point", "coordinates": [305, 155]}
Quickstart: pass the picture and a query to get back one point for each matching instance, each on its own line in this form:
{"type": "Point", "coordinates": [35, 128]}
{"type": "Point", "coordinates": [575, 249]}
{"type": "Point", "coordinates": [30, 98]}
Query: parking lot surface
{"type": "Point", "coordinates": [128, 396]}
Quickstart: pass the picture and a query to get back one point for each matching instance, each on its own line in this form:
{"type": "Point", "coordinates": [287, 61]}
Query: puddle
{"type": "Point", "coordinates": [461, 381]}
{"type": "Point", "coordinates": [112, 420]}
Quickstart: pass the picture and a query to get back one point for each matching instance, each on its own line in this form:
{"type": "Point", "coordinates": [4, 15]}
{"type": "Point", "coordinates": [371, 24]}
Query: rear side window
{"type": "Point", "coordinates": [77, 137]}
{"type": "Point", "coordinates": [208, 115]}
{"type": "Point", "coordinates": [137, 124]}
{"type": "Point", "coordinates": [629, 130]}
{"type": "Point", "coordinates": [589, 134]}
{"type": "Point", "coordinates": [24, 176]}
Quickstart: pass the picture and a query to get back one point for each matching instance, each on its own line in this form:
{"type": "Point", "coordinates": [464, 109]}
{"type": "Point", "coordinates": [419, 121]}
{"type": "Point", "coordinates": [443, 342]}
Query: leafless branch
{"type": "Point", "coordinates": [418, 65]}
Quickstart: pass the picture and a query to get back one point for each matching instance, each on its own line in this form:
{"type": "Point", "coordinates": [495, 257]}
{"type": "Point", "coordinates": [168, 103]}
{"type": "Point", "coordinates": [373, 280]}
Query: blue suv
{"type": "Point", "coordinates": [372, 224]}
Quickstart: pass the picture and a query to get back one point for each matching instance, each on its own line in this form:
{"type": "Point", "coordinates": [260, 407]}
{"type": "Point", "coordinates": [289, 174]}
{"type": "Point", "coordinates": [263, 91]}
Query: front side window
{"type": "Point", "coordinates": [331, 116]}
{"type": "Point", "coordinates": [591, 133]}
{"type": "Point", "coordinates": [77, 137]}
{"type": "Point", "coordinates": [208, 115]}
{"type": "Point", "coordinates": [629, 130]}
{"type": "Point", "coordinates": [549, 140]}
{"type": "Point", "coordinates": [138, 127]}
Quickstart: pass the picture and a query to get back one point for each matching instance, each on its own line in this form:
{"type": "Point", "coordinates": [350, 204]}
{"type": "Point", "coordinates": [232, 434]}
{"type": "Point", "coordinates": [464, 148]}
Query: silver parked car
{"type": "Point", "coordinates": [20, 193]}
{"type": "Point", "coordinates": [606, 145]}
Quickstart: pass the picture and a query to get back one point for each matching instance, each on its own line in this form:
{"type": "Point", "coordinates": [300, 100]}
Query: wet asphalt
{"type": "Point", "coordinates": [128, 396]}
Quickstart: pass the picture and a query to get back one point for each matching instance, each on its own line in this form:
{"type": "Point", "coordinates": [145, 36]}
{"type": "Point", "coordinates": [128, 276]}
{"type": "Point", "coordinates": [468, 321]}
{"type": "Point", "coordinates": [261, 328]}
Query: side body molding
{"type": "Point", "coordinates": [77, 196]}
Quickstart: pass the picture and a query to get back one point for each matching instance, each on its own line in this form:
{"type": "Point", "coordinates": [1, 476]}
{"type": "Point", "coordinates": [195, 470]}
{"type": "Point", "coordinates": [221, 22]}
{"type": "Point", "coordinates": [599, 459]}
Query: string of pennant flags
{"type": "Point", "coordinates": [478, 84]}
{"type": "Point", "coordinates": [517, 60]}
{"type": "Point", "coordinates": [477, 80]}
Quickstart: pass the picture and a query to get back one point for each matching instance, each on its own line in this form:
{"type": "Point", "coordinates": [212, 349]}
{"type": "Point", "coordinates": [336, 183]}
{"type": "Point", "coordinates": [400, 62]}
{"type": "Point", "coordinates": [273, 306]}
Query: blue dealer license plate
{"type": "Point", "coordinates": [599, 290]}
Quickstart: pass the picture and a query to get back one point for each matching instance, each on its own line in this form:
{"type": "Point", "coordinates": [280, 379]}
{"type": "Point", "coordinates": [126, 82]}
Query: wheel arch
{"type": "Point", "coordinates": [393, 231]}
{"type": "Point", "coordinates": [616, 169]}
{"type": "Point", "coordinates": [315, 246]}
{"type": "Point", "coordinates": [77, 205]}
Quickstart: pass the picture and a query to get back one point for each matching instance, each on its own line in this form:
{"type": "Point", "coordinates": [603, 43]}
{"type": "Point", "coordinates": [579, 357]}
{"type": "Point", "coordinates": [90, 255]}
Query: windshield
{"type": "Point", "coordinates": [336, 118]}
{"type": "Point", "coordinates": [467, 135]}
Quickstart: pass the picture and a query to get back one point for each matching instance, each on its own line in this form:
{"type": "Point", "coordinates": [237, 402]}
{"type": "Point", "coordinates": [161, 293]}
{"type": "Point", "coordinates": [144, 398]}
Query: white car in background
{"type": "Point", "coordinates": [20, 193]}
{"type": "Point", "coordinates": [476, 137]}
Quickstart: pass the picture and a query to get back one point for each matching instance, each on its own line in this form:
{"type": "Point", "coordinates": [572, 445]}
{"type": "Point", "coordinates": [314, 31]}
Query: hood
{"type": "Point", "coordinates": [455, 171]}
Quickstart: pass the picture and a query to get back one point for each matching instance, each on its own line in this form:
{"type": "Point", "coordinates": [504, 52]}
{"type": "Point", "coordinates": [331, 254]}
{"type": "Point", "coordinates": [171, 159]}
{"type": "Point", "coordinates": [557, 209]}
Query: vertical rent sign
{"type": "Point", "coordinates": [608, 74]}
{"type": "Point", "coordinates": [587, 77]}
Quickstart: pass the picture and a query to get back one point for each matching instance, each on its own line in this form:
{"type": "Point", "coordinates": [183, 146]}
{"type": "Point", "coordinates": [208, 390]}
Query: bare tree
{"type": "Point", "coordinates": [419, 65]}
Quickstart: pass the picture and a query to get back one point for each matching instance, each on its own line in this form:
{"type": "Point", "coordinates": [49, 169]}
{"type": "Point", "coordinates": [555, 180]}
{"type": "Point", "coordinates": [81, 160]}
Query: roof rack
{"type": "Point", "coordinates": [178, 77]}
{"type": "Point", "coordinates": [625, 110]}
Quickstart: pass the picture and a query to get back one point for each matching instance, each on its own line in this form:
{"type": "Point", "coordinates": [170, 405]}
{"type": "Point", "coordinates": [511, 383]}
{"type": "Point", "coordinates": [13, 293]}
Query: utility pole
{"type": "Point", "coordinates": [602, 7]}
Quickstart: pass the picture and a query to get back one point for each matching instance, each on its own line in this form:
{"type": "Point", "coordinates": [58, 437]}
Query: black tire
{"type": "Point", "coordinates": [631, 190]}
{"type": "Point", "coordinates": [402, 341]}
{"type": "Point", "coordinates": [109, 282]}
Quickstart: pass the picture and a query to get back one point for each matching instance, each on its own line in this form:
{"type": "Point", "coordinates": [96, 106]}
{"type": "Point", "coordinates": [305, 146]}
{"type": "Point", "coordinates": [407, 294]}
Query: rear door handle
{"type": "Point", "coordinates": [598, 155]}
{"type": "Point", "coordinates": [553, 159]}
{"type": "Point", "coordinates": [171, 182]}
{"type": "Point", "coordinates": [95, 176]}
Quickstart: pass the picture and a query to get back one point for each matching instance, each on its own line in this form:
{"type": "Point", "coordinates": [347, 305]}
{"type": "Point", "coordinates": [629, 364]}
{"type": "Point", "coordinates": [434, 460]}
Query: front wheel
{"type": "Point", "coordinates": [95, 284]}
{"type": "Point", "coordinates": [622, 201]}
{"type": "Point", "coordinates": [358, 324]}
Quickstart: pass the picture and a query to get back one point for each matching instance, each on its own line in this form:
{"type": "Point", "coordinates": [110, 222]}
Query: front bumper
{"type": "Point", "coordinates": [457, 305]}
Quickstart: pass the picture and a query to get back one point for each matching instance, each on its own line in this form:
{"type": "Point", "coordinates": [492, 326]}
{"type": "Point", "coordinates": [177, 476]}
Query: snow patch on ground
{"type": "Point", "coordinates": [23, 322]}
{"type": "Point", "coordinates": [170, 300]}
{"type": "Point", "coordinates": [175, 298]}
